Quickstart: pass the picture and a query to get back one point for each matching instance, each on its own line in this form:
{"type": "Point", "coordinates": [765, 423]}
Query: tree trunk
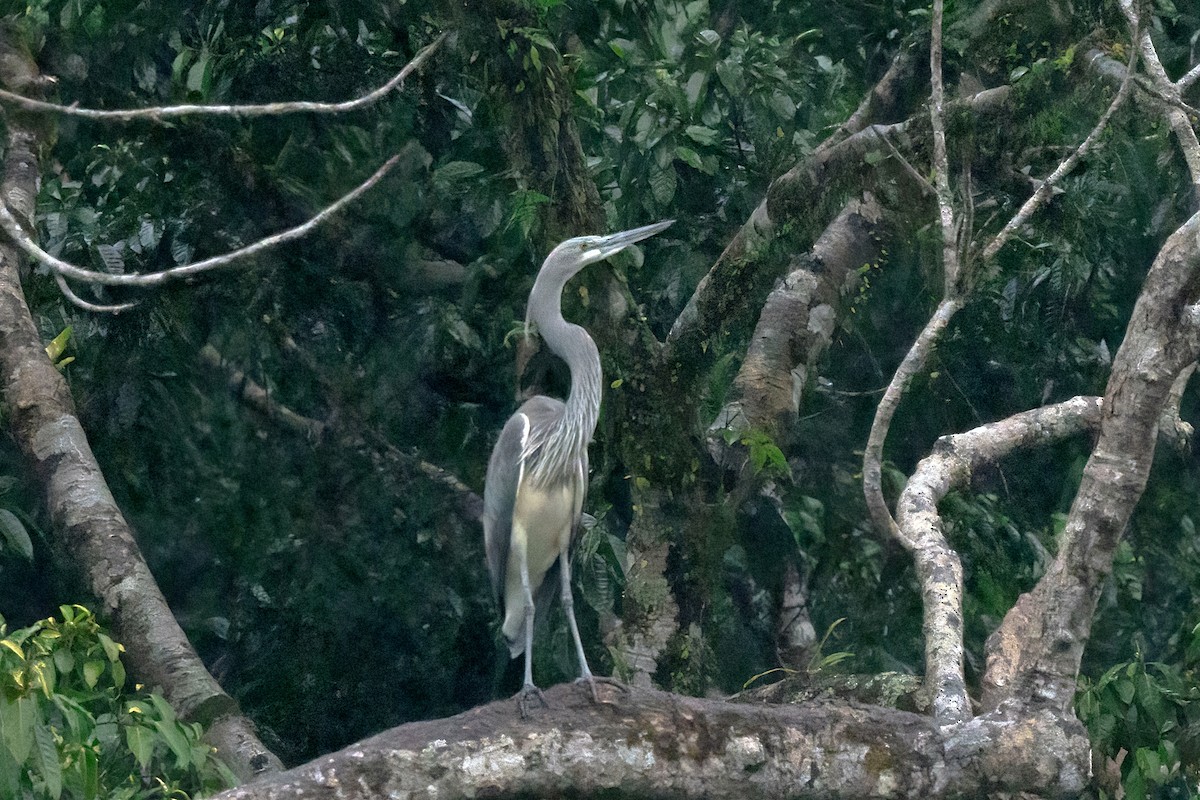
{"type": "Point", "coordinates": [90, 534]}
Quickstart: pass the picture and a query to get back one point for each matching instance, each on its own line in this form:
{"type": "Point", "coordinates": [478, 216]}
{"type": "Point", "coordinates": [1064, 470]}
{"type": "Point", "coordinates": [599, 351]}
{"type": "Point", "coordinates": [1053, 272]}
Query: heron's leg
{"type": "Point", "coordinates": [529, 690]}
{"type": "Point", "coordinates": [568, 601]}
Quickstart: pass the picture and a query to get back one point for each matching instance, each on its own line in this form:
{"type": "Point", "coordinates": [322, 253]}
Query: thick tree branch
{"type": "Point", "coordinates": [954, 460]}
{"type": "Point", "coordinates": [164, 114]}
{"type": "Point", "coordinates": [795, 328]}
{"type": "Point", "coordinates": [653, 744]}
{"type": "Point", "coordinates": [1035, 654]}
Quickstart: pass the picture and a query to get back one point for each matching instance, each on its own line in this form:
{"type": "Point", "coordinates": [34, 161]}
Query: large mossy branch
{"type": "Point", "coordinates": [647, 743]}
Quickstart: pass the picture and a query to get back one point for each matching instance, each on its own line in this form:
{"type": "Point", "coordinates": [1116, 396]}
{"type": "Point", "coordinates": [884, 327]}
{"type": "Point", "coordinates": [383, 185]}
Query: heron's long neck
{"type": "Point", "coordinates": [572, 344]}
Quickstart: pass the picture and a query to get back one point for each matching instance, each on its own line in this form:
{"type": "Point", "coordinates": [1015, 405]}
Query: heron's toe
{"type": "Point", "coordinates": [525, 698]}
{"type": "Point", "coordinates": [592, 680]}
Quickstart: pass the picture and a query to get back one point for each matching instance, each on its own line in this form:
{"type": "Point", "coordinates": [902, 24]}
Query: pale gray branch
{"type": "Point", "coordinates": [162, 114]}
{"type": "Point", "coordinates": [950, 466]}
{"type": "Point", "coordinates": [10, 225]}
{"type": "Point", "coordinates": [79, 302]}
{"type": "Point", "coordinates": [1039, 197]}
{"type": "Point", "coordinates": [1185, 83]}
{"type": "Point", "coordinates": [941, 165]}
{"type": "Point", "coordinates": [1176, 118]}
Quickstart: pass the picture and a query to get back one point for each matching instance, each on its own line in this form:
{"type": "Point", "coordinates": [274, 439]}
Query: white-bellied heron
{"type": "Point", "coordinates": [537, 475]}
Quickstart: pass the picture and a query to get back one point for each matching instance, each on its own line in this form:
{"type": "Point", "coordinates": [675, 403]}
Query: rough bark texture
{"type": "Point", "coordinates": [795, 633]}
{"type": "Point", "coordinates": [651, 615]}
{"type": "Point", "coordinates": [651, 744]}
{"type": "Point", "coordinates": [1035, 654]}
{"type": "Point", "coordinates": [795, 328]}
{"type": "Point", "coordinates": [951, 465]}
{"type": "Point", "coordinates": [89, 531]}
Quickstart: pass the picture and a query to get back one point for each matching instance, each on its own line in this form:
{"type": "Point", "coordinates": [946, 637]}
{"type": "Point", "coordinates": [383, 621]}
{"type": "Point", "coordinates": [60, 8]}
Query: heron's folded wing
{"type": "Point", "coordinates": [504, 472]}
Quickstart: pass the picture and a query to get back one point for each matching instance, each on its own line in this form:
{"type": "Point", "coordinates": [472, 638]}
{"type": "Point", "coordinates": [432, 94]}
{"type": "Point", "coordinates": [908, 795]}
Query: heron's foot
{"type": "Point", "coordinates": [591, 680]}
{"type": "Point", "coordinates": [525, 698]}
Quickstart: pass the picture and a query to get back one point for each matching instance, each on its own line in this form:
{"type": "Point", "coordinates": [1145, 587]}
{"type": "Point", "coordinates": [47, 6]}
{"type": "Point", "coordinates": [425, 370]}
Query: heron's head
{"type": "Point", "coordinates": [575, 254]}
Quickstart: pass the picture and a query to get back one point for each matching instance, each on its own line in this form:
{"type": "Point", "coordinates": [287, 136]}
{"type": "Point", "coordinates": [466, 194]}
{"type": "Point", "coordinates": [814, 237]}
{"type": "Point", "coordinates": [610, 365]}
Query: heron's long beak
{"type": "Point", "coordinates": [616, 242]}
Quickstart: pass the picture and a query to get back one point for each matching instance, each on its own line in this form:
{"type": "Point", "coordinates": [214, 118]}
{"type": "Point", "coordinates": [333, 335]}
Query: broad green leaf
{"type": "Point", "coordinates": [89, 768]}
{"type": "Point", "coordinates": [17, 718]}
{"type": "Point", "coordinates": [689, 156]}
{"type": "Point", "coordinates": [64, 660]}
{"type": "Point", "coordinates": [14, 534]}
{"type": "Point", "coordinates": [140, 741]}
{"type": "Point", "coordinates": [454, 171]}
{"type": "Point", "coordinates": [199, 77]}
{"type": "Point", "coordinates": [175, 740]}
{"type": "Point", "coordinates": [44, 676]}
{"type": "Point", "coordinates": [703, 135]}
{"type": "Point", "coordinates": [92, 670]}
{"type": "Point", "coordinates": [164, 709]}
{"type": "Point", "coordinates": [48, 758]}
{"type": "Point", "coordinates": [111, 649]}
{"type": "Point", "coordinates": [663, 184]}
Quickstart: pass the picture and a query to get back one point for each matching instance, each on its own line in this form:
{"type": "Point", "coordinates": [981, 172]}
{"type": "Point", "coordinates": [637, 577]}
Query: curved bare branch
{"type": "Point", "coordinates": [10, 225]}
{"type": "Point", "coordinates": [163, 114]}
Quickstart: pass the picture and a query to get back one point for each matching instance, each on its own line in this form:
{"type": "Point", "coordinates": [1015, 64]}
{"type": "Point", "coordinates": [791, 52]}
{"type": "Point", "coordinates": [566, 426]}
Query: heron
{"type": "Point", "coordinates": [537, 474]}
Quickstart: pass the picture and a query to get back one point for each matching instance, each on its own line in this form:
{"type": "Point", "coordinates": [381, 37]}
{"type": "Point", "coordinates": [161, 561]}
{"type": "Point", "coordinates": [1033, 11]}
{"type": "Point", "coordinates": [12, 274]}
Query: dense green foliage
{"type": "Point", "coordinates": [335, 589]}
{"type": "Point", "coordinates": [71, 728]}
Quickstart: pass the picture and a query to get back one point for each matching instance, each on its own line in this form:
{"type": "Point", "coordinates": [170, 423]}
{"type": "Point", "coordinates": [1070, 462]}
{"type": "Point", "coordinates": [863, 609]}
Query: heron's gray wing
{"type": "Point", "coordinates": [504, 472]}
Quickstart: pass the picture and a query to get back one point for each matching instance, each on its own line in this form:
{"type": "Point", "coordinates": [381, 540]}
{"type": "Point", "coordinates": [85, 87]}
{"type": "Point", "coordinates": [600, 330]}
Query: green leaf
{"type": "Point", "coordinates": [111, 648]}
{"type": "Point", "coordinates": [164, 709]}
{"type": "Point", "coordinates": [663, 184]}
{"type": "Point", "coordinates": [92, 670]}
{"type": "Point", "coordinates": [199, 77]}
{"type": "Point", "coordinates": [64, 660]}
{"type": "Point", "coordinates": [455, 171]}
{"type": "Point", "coordinates": [58, 344]}
{"type": "Point", "coordinates": [14, 533]}
{"type": "Point", "coordinates": [703, 135]}
{"type": "Point", "coordinates": [17, 718]}
{"type": "Point", "coordinates": [89, 769]}
{"type": "Point", "coordinates": [173, 736]}
{"type": "Point", "coordinates": [689, 156]}
{"type": "Point", "coordinates": [140, 741]}
{"type": "Point", "coordinates": [51, 765]}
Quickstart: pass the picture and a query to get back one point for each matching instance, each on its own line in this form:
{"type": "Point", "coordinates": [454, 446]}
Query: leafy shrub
{"type": "Point", "coordinates": [1145, 717]}
{"type": "Point", "coordinates": [68, 728]}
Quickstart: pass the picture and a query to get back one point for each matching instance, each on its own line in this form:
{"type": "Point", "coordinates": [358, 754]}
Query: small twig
{"type": "Point", "coordinates": [1039, 197]}
{"type": "Point", "coordinates": [79, 302]}
{"type": "Point", "coordinates": [249, 391]}
{"type": "Point", "coordinates": [922, 181]}
{"type": "Point", "coordinates": [941, 164]}
{"type": "Point", "coordinates": [22, 240]}
{"type": "Point", "coordinates": [162, 114]}
{"type": "Point", "coordinates": [1185, 83]}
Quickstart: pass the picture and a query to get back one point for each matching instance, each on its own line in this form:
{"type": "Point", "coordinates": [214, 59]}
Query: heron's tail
{"type": "Point", "coordinates": [516, 645]}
